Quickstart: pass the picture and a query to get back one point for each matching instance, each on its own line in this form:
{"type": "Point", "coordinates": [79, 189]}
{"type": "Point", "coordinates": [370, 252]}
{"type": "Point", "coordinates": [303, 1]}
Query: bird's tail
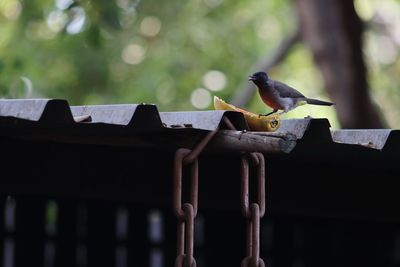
{"type": "Point", "coordinates": [318, 102]}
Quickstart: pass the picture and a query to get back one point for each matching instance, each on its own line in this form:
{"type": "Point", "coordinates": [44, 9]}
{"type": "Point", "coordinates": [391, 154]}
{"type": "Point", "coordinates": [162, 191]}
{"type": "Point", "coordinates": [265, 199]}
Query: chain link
{"type": "Point", "coordinates": [253, 212]}
{"type": "Point", "coordinates": [187, 212]}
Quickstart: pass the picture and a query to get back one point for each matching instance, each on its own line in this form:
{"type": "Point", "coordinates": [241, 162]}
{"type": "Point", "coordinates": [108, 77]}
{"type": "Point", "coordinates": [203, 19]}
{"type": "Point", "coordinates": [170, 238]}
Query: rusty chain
{"type": "Point", "coordinates": [253, 212]}
{"type": "Point", "coordinates": [186, 213]}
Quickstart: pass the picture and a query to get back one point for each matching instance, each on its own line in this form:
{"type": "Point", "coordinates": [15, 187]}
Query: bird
{"type": "Point", "coordinates": [280, 96]}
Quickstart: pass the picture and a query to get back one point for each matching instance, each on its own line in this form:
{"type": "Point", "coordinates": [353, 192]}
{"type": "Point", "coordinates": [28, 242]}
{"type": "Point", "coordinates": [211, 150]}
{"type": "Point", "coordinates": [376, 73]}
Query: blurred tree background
{"type": "Point", "coordinates": [177, 54]}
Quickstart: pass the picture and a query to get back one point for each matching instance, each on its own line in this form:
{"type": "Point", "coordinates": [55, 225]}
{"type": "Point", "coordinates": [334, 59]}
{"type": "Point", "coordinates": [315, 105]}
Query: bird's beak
{"type": "Point", "coordinates": [251, 78]}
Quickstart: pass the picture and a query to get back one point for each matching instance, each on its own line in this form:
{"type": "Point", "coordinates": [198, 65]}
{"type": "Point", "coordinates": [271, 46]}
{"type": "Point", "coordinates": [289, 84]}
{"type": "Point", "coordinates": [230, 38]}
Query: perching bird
{"type": "Point", "coordinates": [280, 96]}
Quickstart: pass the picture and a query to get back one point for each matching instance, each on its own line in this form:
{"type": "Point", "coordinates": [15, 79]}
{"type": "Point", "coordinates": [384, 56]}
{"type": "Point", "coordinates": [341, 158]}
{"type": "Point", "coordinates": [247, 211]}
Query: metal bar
{"type": "Point", "coordinates": [189, 230]}
{"type": "Point", "coordinates": [255, 234]}
{"type": "Point", "coordinates": [177, 196]}
{"type": "Point", "coordinates": [180, 238]}
{"type": "Point", "coordinates": [249, 248]}
{"type": "Point", "coordinates": [244, 185]}
{"type": "Point", "coordinates": [199, 147]}
{"type": "Point", "coordinates": [261, 183]}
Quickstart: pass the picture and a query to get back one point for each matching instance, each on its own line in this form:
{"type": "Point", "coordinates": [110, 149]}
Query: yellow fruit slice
{"type": "Point", "coordinates": [256, 123]}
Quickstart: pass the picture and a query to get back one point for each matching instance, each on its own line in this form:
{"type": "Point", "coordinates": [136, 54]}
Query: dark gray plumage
{"type": "Point", "coordinates": [280, 96]}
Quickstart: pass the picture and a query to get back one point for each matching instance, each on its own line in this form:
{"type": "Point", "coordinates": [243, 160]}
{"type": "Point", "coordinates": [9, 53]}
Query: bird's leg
{"type": "Point", "coordinates": [272, 112]}
{"type": "Point", "coordinates": [286, 110]}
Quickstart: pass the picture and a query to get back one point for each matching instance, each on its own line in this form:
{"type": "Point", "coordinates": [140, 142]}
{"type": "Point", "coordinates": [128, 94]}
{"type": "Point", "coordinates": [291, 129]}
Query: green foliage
{"type": "Point", "coordinates": [162, 52]}
{"type": "Point", "coordinates": [132, 51]}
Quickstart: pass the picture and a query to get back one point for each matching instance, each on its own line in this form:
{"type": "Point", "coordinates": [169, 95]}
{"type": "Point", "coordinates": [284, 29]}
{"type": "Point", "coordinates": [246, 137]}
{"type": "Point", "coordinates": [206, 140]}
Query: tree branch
{"type": "Point", "coordinates": [246, 90]}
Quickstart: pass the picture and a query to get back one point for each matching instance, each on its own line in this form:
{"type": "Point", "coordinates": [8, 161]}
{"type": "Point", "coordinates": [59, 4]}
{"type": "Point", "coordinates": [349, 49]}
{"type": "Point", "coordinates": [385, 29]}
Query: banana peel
{"type": "Point", "coordinates": [256, 123]}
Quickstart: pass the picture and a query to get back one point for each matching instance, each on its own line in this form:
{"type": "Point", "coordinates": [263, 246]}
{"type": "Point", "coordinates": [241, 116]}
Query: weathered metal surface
{"type": "Point", "coordinates": [303, 127]}
{"type": "Point", "coordinates": [111, 114]}
{"type": "Point", "coordinates": [43, 110]}
{"type": "Point", "coordinates": [372, 138]}
{"type": "Point", "coordinates": [307, 130]}
{"type": "Point", "coordinates": [107, 121]}
{"type": "Point", "coordinates": [206, 120]}
{"type": "Point", "coordinates": [113, 124]}
{"type": "Point", "coordinates": [296, 127]}
{"type": "Point", "coordinates": [132, 115]}
{"type": "Point", "coordinates": [24, 109]}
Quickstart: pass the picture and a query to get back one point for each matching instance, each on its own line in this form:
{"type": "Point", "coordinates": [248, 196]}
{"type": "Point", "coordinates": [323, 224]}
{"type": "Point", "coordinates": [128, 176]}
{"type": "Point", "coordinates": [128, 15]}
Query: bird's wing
{"type": "Point", "coordinates": [286, 91]}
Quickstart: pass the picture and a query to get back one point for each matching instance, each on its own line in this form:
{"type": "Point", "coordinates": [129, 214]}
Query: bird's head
{"type": "Point", "coordinates": [259, 78]}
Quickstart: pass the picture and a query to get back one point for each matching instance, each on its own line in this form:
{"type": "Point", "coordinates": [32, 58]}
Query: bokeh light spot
{"type": "Point", "coordinates": [200, 98]}
{"type": "Point", "coordinates": [150, 26]}
{"type": "Point", "coordinates": [63, 4]}
{"type": "Point", "coordinates": [364, 9]}
{"type": "Point", "coordinates": [78, 21]}
{"type": "Point", "coordinates": [12, 10]}
{"type": "Point", "coordinates": [133, 54]}
{"type": "Point", "coordinates": [214, 80]}
{"type": "Point", "coordinates": [56, 20]}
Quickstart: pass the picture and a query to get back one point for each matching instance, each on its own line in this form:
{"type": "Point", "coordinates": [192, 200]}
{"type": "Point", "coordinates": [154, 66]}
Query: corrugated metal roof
{"type": "Point", "coordinates": [132, 118]}
{"type": "Point", "coordinates": [143, 116]}
{"type": "Point", "coordinates": [373, 138]}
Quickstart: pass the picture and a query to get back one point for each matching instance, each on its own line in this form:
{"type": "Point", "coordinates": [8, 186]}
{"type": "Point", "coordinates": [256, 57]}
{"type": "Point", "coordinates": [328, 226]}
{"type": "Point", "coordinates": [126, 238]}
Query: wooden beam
{"type": "Point", "coordinates": [264, 142]}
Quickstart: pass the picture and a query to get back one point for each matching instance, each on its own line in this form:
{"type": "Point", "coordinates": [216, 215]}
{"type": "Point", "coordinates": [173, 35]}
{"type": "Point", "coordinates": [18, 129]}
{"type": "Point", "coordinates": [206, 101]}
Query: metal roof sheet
{"type": "Point", "coordinates": [146, 115]}
{"type": "Point", "coordinates": [205, 120]}
{"type": "Point", "coordinates": [303, 128]}
{"type": "Point", "coordinates": [146, 118]}
{"type": "Point", "coordinates": [36, 110]}
{"type": "Point", "coordinates": [115, 114]}
{"type": "Point", "coordinates": [373, 138]}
